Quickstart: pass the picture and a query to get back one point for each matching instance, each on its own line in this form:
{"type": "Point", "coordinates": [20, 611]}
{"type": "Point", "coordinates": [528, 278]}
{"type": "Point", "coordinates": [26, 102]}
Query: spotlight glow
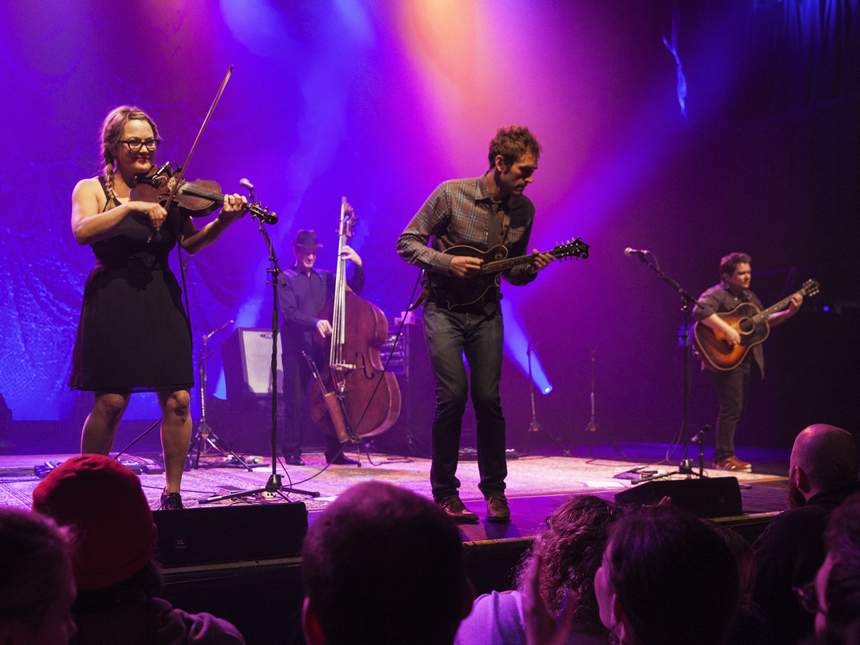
{"type": "Point", "coordinates": [517, 347]}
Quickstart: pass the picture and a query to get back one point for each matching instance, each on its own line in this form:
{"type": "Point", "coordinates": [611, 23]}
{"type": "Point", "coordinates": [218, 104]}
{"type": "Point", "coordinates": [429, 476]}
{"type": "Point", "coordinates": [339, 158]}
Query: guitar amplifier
{"type": "Point", "coordinates": [247, 356]}
{"type": "Point", "coordinates": [394, 353]}
{"type": "Point", "coordinates": [410, 363]}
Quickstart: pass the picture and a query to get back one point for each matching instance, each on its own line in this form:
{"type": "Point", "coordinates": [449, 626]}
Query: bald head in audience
{"type": "Point", "coordinates": [823, 457]}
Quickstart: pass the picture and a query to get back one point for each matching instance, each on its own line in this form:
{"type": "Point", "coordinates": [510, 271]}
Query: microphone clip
{"type": "Point", "coordinates": [700, 434]}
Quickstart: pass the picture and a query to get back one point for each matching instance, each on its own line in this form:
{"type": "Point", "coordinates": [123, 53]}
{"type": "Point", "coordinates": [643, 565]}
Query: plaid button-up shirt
{"type": "Point", "coordinates": [458, 212]}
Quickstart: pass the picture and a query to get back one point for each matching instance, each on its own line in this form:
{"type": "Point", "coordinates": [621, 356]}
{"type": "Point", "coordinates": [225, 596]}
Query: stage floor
{"type": "Point", "coordinates": [537, 483]}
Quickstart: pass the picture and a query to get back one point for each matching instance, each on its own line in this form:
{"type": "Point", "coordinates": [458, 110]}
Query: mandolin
{"type": "Point", "coordinates": [461, 292]}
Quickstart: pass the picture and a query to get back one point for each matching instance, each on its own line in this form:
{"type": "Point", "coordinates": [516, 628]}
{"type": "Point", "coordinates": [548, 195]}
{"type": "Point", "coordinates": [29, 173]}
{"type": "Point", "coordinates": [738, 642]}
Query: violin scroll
{"type": "Point", "coordinates": [265, 215]}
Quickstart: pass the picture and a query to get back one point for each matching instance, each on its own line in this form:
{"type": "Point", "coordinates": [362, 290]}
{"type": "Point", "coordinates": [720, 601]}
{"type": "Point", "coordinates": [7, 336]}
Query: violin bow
{"type": "Point", "coordinates": [179, 180]}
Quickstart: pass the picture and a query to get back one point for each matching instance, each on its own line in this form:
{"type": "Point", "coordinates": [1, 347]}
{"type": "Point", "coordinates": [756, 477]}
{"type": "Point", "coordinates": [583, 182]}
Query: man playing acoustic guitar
{"type": "Point", "coordinates": [732, 383]}
{"type": "Point", "coordinates": [482, 213]}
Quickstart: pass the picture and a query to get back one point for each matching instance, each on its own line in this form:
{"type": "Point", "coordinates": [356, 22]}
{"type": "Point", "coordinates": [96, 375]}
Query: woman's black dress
{"type": "Point", "coordinates": [133, 335]}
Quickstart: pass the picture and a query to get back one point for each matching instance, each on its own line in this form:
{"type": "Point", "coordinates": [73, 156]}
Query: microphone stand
{"type": "Point", "coordinates": [273, 485]}
{"type": "Point", "coordinates": [699, 439]}
{"type": "Point", "coordinates": [592, 422]}
{"type": "Point", "coordinates": [535, 427]}
{"type": "Point", "coordinates": [687, 302]}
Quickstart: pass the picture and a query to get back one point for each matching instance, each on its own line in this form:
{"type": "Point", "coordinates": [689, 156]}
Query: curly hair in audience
{"type": "Point", "coordinates": [571, 550]}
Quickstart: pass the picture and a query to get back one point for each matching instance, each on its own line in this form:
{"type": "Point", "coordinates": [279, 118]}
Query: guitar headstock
{"type": "Point", "coordinates": [577, 249]}
{"type": "Point", "coordinates": [811, 287]}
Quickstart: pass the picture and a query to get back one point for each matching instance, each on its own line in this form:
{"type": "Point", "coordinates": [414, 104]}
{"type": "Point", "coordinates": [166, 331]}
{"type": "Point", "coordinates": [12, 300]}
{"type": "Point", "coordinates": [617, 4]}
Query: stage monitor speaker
{"type": "Point", "coordinates": [247, 356]}
{"type": "Point", "coordinates": [230, 534]}
{"type": "Point", "coordinates": [410, 434]}
{"type": "Point", "coordinates": [716, 497]}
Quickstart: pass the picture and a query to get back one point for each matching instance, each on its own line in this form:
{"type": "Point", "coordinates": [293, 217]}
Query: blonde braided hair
{"type": "Point", "coordinates": [112, 131]}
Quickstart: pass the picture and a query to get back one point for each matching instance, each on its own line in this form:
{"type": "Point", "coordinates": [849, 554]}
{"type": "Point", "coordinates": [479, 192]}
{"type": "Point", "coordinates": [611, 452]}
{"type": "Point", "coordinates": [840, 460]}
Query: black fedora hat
{"type": "Point", "coordinates": [307, 240]}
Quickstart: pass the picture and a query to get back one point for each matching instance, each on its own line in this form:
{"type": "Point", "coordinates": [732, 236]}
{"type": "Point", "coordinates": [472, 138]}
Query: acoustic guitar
{"type": "Point", "coordinates": [461, 292]}
{"type": "Point", "coordinates": [750, 322]}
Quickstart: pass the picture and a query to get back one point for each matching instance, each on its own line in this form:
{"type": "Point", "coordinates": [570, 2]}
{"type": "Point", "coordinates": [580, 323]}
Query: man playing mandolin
{"type": "Point", "coordinates": [483, 212]}
{"type": "Point", "coordinates": [733, 383]}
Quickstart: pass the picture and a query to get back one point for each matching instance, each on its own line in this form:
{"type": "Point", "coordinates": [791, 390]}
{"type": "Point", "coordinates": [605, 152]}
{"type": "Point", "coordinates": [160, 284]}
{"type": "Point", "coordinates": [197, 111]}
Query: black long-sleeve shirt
{"type": "Point", "coordinates": [301, 300]}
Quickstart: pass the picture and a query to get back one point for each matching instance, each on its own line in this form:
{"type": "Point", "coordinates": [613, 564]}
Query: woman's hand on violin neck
{"type": "Point", "coordinates": [235, 206]}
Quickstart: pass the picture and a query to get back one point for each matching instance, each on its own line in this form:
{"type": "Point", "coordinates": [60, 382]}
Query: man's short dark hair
{"type": "Point", "coordinates": [385, 565]}
{"type": "Point", "coordinates": [730, 262]}
{"type": "Point", "coordinates": [676, 579]}
{"type": "Point", "coordinates": [512, 143]}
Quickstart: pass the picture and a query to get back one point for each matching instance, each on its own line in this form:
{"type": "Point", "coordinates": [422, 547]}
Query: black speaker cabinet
{"type": "Point", "coordinates": [247, 356]}
{"type": "Point", "coordinates": [230, 534]}
{"type": "Point", "coordinates": [716, 497]}
{"type": "Point", "coordinates": [410, 434]}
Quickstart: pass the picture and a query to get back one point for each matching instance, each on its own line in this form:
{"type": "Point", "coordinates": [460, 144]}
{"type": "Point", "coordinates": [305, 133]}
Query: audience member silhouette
{"type": "Point", "coordinates": [36, 583]}
{"type": "Point", "coordinates": [751, 626]}
{"type": "Point", "coordinates": [666, 578]}
{"type": "Point", "coordinates": [384, 565]}
{"type": "Point", "coordinates": [571, 550]}
{"type": "Point", "coordinates": [103, 504]}
{"type": "Point", "coordinates": [822, 474]}
{"type": "Point", "coordinates": [834, 595]}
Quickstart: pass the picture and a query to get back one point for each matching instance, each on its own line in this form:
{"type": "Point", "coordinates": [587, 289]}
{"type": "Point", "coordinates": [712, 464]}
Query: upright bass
{"type": "Point", "coordinates": [352, 396]}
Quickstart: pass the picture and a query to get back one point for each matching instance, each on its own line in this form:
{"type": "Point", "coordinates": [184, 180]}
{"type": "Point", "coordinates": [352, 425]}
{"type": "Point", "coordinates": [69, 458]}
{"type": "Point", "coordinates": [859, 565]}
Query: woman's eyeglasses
{"type": "Point", "coordinates": [809, 598]}
{"type": "Point", "coordinates": [135, 145]}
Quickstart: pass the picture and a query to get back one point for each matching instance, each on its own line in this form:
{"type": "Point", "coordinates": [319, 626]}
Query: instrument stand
{"type": "Point", "coordinates": [204, 438]}
{"type": "Point", "coordinates": [535, 427]}
{"type": "Point", "coordinates": [592, 422]}
{"type": "Point", "coordinates": [687, 302]}
{"type": "Point", "coordinates": [340, 397]}
{"type": "Point", "coordinates": [273, 485]}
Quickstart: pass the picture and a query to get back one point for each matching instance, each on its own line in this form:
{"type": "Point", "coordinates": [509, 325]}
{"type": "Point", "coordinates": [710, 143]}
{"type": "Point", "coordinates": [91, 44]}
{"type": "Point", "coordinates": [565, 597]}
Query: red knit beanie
{"type": "Point", "coordinates": [104, 503]}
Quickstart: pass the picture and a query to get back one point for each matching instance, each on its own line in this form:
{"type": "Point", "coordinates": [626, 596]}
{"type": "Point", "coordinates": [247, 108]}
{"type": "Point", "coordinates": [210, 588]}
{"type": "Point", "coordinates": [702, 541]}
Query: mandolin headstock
{"type": "Point", "coordinates": [577, 248]}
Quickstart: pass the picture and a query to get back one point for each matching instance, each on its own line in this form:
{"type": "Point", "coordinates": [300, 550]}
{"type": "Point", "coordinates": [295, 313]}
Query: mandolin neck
{"type": "Point", "coordinates": [503, 265]}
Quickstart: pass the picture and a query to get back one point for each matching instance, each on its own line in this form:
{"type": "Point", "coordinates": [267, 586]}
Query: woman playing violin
{"type": "Point", "coordinates": [134, 335]}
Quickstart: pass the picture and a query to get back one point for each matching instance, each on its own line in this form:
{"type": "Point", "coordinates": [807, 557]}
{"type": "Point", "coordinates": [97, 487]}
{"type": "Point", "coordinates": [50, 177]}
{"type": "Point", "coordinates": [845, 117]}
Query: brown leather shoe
{"type": "Point", "coordinates": [454, 507]}
{"type": "Point", "coordinates": [497, 509]}
{"type": "Point", "coordinates": [734, 464]}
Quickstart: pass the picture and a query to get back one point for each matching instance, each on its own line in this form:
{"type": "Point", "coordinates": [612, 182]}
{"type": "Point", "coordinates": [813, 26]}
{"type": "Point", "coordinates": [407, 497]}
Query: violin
{"type": "Point", "coordinates": [191, 198]}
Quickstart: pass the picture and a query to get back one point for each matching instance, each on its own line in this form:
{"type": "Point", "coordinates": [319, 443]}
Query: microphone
{"type": "Point", "coordinates": [247, 185]}
{"type": "Point", "coordinates": [631, 252]}
{"type": "Point", "coordinates": [700, 434]}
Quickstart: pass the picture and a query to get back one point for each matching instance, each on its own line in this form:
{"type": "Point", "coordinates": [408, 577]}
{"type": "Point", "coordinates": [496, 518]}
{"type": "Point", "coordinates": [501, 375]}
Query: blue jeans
{"type": "Point", "coordinates": [733, 392]}
{"type": "Point", "coordinates": [449, 335]}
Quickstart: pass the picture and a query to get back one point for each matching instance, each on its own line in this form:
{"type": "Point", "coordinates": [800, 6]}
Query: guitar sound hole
{"type": "Point", "coordinates": [745, 326]}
